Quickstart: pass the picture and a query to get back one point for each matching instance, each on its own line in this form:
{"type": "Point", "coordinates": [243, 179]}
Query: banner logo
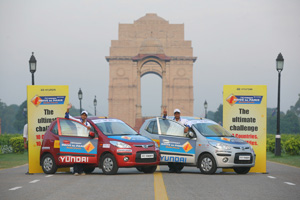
{"type": "Point", "coordinates": [187, 147]}
{"type": "Point", "coordinates": [235, 99]}
{"type": "Point", "coordinates": [126, 137]}
{"type": "Point", "coordinates": [89, 147]}
{"type": "Point", "coordinates": [36, 100]}
{"type": "Point", "coordinates": [48, 100]}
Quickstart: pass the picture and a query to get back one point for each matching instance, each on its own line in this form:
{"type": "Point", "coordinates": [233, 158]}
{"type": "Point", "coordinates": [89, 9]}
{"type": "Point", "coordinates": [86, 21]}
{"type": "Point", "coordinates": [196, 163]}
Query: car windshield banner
{"type": "Point", "coordinates": [177, 149]}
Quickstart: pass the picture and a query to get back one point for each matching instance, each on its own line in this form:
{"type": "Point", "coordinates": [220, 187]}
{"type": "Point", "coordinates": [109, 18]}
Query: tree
{"type": "Point", "coordinates": [296, 108]}
{"type": "Point", "coordinates": [272, 120]}
{"type": "Point", "coordinates": [272, 123]}
{"type": "Point", "coordinates": [20, 117]}
{"type": "Point", "coordinates": [7, 115]}
{"type": "Point", "coordinates": [74, 111]}
{"type": "Point", "coordinates": [290, 123]}
{"type": "Point", "coordinates": [210, 115]}
{"type": "Point", "coordinates": [218, 117]}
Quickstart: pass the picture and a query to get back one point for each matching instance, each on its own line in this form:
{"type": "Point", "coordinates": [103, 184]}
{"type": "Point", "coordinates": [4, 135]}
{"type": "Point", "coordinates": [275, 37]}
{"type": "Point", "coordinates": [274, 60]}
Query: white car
{"type": "Point", "coordinates": [207, 145]}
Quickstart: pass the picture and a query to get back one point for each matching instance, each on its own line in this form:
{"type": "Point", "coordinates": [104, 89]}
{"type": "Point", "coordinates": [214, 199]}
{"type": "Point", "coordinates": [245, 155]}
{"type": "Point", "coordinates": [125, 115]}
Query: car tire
{"type": "Point", "coordinates": [207, 164]}
{"type": "Point", "coordinates": [242, 170]}
{"type": "Point", "coordinates": [175, 167]}
{"type": "Point", "coordinates": [88, 169]}
{"type": "Point", "coordinates": [48, 164]}
{"type": "Point", "coordinates": [109, 164]}
{"type": "Point", "coordinates": [149, 169]}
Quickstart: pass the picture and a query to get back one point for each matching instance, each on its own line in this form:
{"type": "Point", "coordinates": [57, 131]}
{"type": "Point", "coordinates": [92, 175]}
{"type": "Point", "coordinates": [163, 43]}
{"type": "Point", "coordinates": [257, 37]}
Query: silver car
{"type": "Point", "coordinates": [207, 145]}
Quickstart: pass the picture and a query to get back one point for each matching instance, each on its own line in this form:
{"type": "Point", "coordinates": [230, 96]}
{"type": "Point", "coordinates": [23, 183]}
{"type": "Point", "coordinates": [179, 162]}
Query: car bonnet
{"type": "Point", "coordinates": [130, 138]}
{"type": "Point", "coordinates": [228, 140]}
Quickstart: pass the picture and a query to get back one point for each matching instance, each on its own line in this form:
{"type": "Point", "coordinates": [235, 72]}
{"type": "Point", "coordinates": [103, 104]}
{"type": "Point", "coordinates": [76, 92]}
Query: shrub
{"type": "Point", "coordinates": [290, 143]}
{"type": "Point", "coordinates": [292, 146]}
{"type": "Point", "coordinates": [271, 143]}
{"type": "Point", "coordinates": [6, 149]}
{"type": "Point", "coordinates": [17, 144]}
{"type": "Point", "coordinates": [5, 145]}
{"type": "Point", "coordinates": [4, 138]}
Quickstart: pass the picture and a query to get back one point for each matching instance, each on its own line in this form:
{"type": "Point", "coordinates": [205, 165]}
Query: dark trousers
{"type": "Point", "coordinates": [78, 168]}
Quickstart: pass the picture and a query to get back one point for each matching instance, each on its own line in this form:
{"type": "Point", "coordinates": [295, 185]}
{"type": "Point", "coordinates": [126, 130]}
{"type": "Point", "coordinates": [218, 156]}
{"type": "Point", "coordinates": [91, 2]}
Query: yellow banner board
{"type": "Point", "coordinates": [245, 116]}
{"type": "Point", "coordinates": [44, 104]}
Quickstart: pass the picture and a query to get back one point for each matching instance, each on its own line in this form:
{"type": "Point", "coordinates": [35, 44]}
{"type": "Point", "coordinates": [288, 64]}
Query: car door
{"type": "Point", "coordinates": [151, 131]}
{"type": "Point", "coordinates": [175, 146]}
{"type": "Point", "coordinates": [76, 146]}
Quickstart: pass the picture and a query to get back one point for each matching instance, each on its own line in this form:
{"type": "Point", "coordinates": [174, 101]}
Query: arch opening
{"type": "Point", "coordinates": [151, 66]}
{"type": "Point", "coordinates": [151, 89]}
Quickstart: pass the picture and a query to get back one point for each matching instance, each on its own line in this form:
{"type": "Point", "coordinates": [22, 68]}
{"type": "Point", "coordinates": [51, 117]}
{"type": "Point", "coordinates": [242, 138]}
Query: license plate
{"type": "Point", "coordinates": [147, 155]}
{"type": "Point", "coordinates": [244, 157]}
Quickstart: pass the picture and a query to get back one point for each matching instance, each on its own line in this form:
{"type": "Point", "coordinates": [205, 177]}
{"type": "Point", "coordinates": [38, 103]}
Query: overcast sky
{"type": "Point", "coordinates": [236, 42]}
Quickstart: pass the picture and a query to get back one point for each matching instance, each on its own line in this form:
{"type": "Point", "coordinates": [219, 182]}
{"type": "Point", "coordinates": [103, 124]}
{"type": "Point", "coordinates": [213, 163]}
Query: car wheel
{"type": "Point", "coordinates": [149, 169]}
{"type": "Point", "coordinates": [175, 167]}
{"type": "Point", "coordinates": [109, 164]}
{"type": "Point", "coordinates": [48, 164]}
{"type": "Point", "coordinates": [88, 169]}
{"type": "Point", "coordinates": [242, 170]}
{"type": "Point", "coordinates": [139, 169]}
{"type": "Point", "coordinates": [207, 164]}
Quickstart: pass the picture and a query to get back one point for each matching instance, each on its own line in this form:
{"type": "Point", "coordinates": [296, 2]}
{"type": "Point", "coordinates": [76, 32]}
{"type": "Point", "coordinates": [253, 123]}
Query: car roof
{"type": "Point", "coordinates": [104, 119]}
{"type": "Point", "coordinates": [101, 117]}
{"type": "Point", "coordinates": [183, 117]}
{"type": "Point", "coordinates": [194, 120]}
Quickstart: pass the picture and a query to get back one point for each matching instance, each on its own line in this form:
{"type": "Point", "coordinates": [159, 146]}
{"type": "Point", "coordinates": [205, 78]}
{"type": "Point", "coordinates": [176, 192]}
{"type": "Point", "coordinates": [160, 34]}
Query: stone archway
{"type": "Point", "coordinates": [150, 39]}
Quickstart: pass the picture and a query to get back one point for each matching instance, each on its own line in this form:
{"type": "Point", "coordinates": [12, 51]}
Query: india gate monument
{"type": "Point", "coordinates": [150, 45]}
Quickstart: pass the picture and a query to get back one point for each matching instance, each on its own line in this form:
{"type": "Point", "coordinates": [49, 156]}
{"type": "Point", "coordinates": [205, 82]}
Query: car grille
{"type": "Point", "coordinates": [144, 146]}
{"type": "Point", "coordinates": [237, 161]}
{"type": "Point", "coordinates": [138, 158]}
{"type": "Point", "coordinates": [240, 147]}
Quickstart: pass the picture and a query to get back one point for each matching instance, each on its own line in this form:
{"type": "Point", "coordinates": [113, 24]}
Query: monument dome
{"type": "Point", "coordinates": [151, 46]}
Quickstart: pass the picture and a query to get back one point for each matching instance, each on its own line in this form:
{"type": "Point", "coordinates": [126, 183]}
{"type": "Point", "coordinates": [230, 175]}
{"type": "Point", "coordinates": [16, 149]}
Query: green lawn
{"type": "Point", "coordinates": [12, 160]}
{"type": "Point", "coordinates": [284, 159]}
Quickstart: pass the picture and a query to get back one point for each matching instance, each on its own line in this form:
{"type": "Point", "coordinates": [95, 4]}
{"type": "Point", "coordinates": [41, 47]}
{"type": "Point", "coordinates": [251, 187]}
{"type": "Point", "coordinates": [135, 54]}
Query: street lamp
{"type": "Point", "coordinates": [95, 104]}
{"type": "Point", "coordinates": [80, 97]}
{"type": "Point", "coordinates": [205, 106]}
{"type": "Point", "coordinates": [279, 67]}
{"type": "Point", "coordinates": [32, 66]}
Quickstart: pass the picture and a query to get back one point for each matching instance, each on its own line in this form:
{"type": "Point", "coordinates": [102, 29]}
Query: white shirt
{"type": "Point", "coordinates": [68, 116]}
{"type": "Point", "coordinates": [81, 130]}
{"type": "Point", "coordinates": [183, 122]}
{"type": "Point", "coordinates": [25, 131]}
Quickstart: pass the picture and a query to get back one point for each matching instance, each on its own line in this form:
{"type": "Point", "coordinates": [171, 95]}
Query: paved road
{"type": "Point", "coordinates": [282, 182]}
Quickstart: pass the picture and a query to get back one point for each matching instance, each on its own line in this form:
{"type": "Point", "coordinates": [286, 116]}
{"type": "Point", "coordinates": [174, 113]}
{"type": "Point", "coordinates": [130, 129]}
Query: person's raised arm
{"type": "Point", "coordinates": [67, 115]}
{"type": "Point", "coordinates": [187, 125]}
{"type": "Point", "coordinates": [165, 113]}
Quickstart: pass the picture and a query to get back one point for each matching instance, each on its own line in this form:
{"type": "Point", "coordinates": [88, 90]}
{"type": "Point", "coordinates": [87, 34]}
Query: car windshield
{"type": "Point", "coordinates": [212, 130]}
{"type": "Point", "coordinates": [115, 128]}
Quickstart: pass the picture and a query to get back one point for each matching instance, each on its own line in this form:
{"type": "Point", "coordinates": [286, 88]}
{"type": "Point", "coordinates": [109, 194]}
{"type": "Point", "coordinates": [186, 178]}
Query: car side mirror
{"type": "Point", "coordinates": [92, 134]}
{"type": "Point", "coordinates": [191, 134]}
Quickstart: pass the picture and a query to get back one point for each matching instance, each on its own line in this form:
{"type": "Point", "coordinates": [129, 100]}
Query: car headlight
{"type": "Point", "coordinates": [156, 146]}
{"type": "Point", "coordinates": [251, 149]}
{"type": "Point", "coordinates": [220, 145]}
{"type": "Point", "coordinates": [120, 144]}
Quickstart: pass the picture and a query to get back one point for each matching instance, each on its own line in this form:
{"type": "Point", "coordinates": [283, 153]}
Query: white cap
{"type": "Point", "coordinates": [84, 112]}
{"type": "Point", "coordinates": [176, 110]}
